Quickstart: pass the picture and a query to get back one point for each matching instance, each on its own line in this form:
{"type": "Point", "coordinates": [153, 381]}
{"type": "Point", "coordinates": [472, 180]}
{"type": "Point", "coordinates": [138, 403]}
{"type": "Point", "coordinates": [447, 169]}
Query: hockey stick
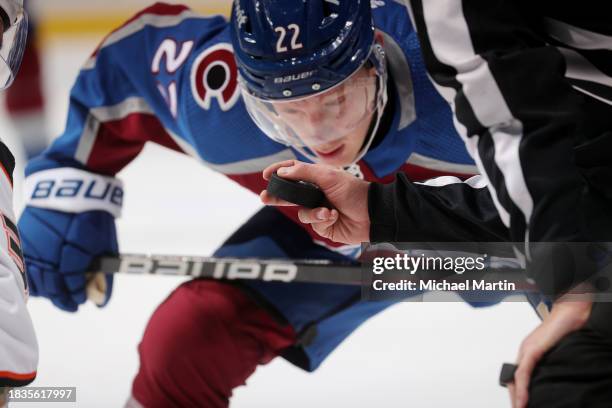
{"type": "Point", "coordinates": [270, 270]}
{"type": "Point", "coordinates": [265, 269]}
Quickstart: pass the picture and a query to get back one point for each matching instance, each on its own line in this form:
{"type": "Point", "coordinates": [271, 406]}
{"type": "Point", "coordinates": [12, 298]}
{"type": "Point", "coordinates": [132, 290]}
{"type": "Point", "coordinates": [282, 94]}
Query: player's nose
{"type": "Point", "coordinates": [315, 117]}
{"type": "Point", "coordinates": [318, 129]}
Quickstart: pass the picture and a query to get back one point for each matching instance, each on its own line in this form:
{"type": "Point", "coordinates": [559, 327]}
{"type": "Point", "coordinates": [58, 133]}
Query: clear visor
{"type": "Point", "coordinates": [11, 49]}
{"type": "Point", "coordinates": [322, 117]}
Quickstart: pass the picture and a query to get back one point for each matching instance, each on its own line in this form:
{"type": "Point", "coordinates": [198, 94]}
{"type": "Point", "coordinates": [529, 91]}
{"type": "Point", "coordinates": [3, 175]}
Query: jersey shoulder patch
{"type": "Point", "coordinates": [214, 76]}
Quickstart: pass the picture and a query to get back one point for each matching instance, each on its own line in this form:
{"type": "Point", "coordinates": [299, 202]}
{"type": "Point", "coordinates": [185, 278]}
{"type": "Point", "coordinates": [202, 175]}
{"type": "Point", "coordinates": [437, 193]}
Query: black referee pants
{"type": "Point", "coordinates": [577, 373]}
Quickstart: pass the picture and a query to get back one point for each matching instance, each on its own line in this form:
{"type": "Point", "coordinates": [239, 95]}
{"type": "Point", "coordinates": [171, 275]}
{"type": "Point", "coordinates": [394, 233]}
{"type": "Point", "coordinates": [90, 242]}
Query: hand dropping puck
{"type": "Point", "coordinates": [506, 376]}
{"type": "Point", "coordinates": [297, 192]}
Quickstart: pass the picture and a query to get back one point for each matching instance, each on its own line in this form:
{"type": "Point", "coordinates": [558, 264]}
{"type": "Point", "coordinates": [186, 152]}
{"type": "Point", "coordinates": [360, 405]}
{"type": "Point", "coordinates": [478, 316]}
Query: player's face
{"type": "Point", "coordinates": [331, 125]}
{"type": "Point", "coordinates": [334, 124]}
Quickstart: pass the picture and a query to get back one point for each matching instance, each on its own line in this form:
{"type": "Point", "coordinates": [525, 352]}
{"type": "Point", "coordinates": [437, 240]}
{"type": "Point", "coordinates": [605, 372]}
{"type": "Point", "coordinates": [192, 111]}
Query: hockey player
{"type": "Point", "coordinates": [25, 101]}
{"type": "Point", "coordinates": [171, 77]}
{"type": "Point", "coordinates": [18, 347]}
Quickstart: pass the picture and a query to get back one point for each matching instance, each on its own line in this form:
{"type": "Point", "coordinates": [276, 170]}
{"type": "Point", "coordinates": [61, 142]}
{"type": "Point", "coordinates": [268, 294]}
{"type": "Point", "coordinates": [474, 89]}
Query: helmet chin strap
{"type": "Point", "coordinates": [353, 167]}
{"type": "Point", "coordinates": [378, 52]}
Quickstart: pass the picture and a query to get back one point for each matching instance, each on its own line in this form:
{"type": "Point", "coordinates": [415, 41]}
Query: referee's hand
{"type": "Point", "coordinates": [565, 317]}
{"type": "Point", "coordinates": [347, 220]}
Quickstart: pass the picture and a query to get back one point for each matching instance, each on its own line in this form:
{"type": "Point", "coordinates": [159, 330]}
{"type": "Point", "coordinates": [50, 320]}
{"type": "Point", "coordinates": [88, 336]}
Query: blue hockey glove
{"type": "Point", "coordinates": [68, 222]}
{"type": "Point", "coordinates": [58, 249]}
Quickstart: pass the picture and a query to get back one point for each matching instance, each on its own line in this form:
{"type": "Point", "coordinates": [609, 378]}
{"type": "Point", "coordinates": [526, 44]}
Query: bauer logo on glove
{"type": "Point", "coordinates": [73, 190]}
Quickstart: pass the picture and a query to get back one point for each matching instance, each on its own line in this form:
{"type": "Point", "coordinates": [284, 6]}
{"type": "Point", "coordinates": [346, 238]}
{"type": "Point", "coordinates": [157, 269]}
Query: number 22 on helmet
{"type": "Point", "coordinates": [312, 74]}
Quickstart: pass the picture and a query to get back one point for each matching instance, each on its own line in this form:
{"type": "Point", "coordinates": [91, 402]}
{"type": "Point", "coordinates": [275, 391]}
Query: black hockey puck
{"type": "Point", "coordinates": [506, 376]}
{"type": "Point", "coordinates": [297, 192]}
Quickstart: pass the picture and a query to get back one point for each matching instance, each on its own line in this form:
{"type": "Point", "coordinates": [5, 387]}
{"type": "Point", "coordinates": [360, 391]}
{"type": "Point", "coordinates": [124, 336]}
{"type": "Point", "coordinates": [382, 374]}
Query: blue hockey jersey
{"type": "Point", "coordinates": [169, 76]}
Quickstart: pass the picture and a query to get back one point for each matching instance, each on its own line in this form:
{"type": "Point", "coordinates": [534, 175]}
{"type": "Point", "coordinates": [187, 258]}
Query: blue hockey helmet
{"type": "Point", "coordinates": [292, 50]}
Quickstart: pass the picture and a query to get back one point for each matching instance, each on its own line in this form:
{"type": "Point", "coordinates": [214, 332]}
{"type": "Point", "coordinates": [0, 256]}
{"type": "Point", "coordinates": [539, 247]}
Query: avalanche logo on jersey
{"type": "Point", "coordinates": [214, 74]}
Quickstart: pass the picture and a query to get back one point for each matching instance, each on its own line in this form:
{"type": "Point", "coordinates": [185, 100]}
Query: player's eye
{"type": "Point", "coordinates": [289, 111]}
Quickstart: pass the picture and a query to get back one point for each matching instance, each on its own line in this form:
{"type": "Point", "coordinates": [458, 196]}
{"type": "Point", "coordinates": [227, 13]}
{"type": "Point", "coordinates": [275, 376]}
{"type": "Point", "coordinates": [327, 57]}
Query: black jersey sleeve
{"type": "Point", "coordinates": [444, 209]}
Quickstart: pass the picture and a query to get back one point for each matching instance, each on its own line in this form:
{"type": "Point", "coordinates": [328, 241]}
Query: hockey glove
{"type": "Point", "coordinates": [69, 220]}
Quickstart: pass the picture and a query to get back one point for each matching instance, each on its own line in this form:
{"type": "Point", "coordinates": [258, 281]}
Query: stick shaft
{"type": "Point", "coordinates": [280, 270]}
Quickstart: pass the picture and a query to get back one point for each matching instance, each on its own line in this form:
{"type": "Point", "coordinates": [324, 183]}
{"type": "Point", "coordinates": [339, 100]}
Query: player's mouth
{"type": "Point", "coordinates": [328, 154]}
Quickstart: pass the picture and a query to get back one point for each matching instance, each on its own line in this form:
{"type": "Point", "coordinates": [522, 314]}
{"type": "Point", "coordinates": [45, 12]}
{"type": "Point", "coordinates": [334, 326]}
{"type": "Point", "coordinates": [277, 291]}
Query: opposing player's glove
{"type": "Point", "coordinates": [69, 220]}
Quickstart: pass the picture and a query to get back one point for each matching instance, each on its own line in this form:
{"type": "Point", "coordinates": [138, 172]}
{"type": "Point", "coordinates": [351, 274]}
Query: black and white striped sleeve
{"type": "Point", "coordinates": [517, 112]}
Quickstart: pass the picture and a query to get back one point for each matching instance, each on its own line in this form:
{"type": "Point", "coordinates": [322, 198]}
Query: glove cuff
{"type": "Point", "coordinates": [72, 190]}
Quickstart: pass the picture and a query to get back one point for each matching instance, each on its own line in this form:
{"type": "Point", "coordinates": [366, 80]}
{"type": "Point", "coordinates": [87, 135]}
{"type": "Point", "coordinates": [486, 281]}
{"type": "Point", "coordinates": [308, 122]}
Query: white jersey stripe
{"type": "Point", "coordinates": [507, 139]}
{"type": "Point", "coordinates": [577, 37]}
{"type": "Point", "coordinates": [155, 20]}
{"type": "Point", "coordinates": [471, 144]}
{"type": "Point", "coordinates": [104, 114]}
{"type": "Point", "coordinates": [452, 45]}
{"type": "Point", "coordinates": [252, 165]}
{"type": "Point", "coordinates": [578, 67]}
{"type": "Point", "coordinates": [128, 106]}
{"type": "Point", "coordinates": [440, 165]}
{"type": "Point", "coordinates": [132, 105]}
{"type": "Point", "coordinates": [87, 139]}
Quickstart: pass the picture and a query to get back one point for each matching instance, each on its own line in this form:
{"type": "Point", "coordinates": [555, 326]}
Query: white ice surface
{"type": "Point", "coordinates": [413, 355]}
